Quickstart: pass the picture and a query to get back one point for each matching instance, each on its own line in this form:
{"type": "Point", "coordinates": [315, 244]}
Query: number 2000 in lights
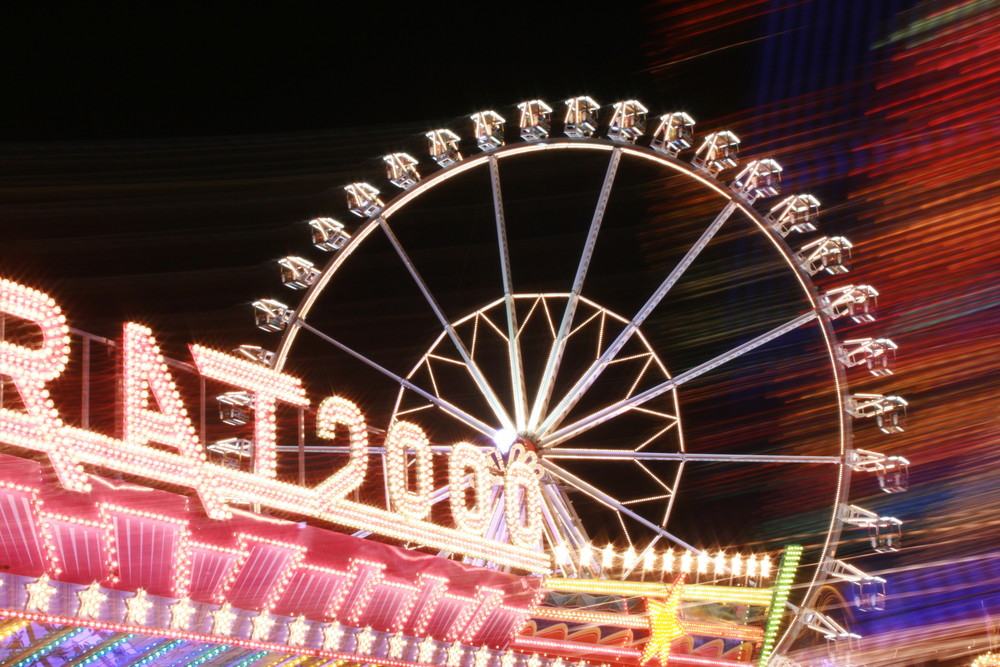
{"type": "Point", "coordinates": [153, 412]}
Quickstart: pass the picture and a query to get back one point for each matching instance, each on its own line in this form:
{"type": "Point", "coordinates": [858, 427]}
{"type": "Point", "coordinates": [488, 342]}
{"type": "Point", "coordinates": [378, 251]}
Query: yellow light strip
{"type": "Point", "coordinates": [591, 617]}
{"type": "Point", "coordinates": [11, 627]}
{"type": "Point", "coordinates": [600, 586]}
{"type": "Point", "coordinates": [755, 596]}
{"type": "Point", "coordinates": [641, 622]}
{"type": "Point", "coordinates": [744, 632]}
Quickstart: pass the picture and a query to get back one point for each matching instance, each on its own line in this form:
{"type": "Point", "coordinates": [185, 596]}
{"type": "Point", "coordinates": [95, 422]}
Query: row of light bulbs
{"type": "Point", "coordinates": [608, 558]}
{"type": "Point", "coordinates": [154, 412]}
{"type": "Point", "coordinates": [429, 650]}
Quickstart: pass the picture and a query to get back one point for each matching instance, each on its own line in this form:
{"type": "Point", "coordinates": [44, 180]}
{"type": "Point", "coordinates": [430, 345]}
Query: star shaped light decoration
{"type": "Point", "coordinates": [508, 659]}
{"type": "Point", "coordinates": [138, 607]}
{"type": "Point", "coordinates": [91, 599]}
{"type": "Point", "coordinates": [534, 661]}
{"type": "Point", "coordinates": [297, 630]}
{"type": "Point", "coordinates": [223, 619]}
{"type": "Point", "coordinates": [40, 593]}
{"type": "Point", "coordinates": [397, 643]}
{"type": "Point", "coordinates": [453, 656]}
{"type": "Point", "coordinates": [481, 658]}
{"type": "Point", "coordinates": [558, 662]}
{"type": "Point", "coordinates": [664, 627]}
{"type": "Point", "coordinates": [366, 639]}
{"type": "Point", "coordinates": [181, 613]}
{"type": "Point", "coordinates": [426, 652]}
{"type": "Point", "coordinates": [332, 635]}
{"type": "Point", "coordinates": [262, 625]}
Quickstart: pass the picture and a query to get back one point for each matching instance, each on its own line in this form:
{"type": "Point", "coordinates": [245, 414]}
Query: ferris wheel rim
{"type": "Point", "coordinates": [300, 313]}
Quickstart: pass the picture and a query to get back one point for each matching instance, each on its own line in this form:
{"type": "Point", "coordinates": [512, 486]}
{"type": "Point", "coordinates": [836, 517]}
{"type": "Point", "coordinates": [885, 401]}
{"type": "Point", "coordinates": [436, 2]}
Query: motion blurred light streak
{"type": "Point", "coordinates": [911, 142]}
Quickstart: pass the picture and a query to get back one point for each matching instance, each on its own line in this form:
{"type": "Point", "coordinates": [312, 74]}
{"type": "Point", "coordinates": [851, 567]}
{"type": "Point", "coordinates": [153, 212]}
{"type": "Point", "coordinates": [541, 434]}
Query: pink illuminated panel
{"type": "Point", "coordinates": [365, 577]}
{"type": "Point", "coordinates": [432, 589]}
{"type": "Point", "coordinates": [447, 612]}
{"type": "Point", "coordinates": [80, 548]}
{"type": "Point", "coordinates": [500, 625]}
{"type": "Point", "coordinates": [311, 591]}
{"type": "Point", "coordinates": [145, 546]}
{"type": "Point", "coordinates": [262, 575]}
{"type": "Point", "coordinates": [387, 601]}
{"type": "Point", "coordinates": [21, 548]}
{"type": "Point", "coordinates": [487, 601]}
{"type": "Point", "coordinates": [210, 566]}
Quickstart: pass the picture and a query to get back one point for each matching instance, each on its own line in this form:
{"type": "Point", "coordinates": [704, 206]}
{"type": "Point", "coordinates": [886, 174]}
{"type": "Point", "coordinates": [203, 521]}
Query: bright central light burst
{"type": "Point", "coordinates": [504, 439]}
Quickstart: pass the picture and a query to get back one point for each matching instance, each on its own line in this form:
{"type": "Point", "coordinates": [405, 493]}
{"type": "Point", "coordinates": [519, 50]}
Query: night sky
{"type": "Point", "coordinates": [154, 164]}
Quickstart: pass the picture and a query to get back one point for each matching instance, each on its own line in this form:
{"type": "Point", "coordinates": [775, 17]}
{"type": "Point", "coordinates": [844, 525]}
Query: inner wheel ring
{"type": "Point", "coordinates": [536, 315]}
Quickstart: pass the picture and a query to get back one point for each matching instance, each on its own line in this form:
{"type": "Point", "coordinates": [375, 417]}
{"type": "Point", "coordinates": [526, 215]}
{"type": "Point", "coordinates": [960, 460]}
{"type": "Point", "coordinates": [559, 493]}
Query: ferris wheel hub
{"type": "Point", "coordinates": [506, 438]}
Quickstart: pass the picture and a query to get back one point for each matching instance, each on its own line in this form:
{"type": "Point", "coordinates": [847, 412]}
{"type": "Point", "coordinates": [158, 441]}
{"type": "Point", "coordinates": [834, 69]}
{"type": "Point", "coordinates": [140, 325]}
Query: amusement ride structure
{"type": "Point", "coordinates": [499, 474]}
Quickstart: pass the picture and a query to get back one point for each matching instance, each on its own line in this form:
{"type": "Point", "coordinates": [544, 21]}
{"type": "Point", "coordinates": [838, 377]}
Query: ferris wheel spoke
{"type": "Point", "coordinates": [554, 534]}
{"type": "Point", "coordinates": [590, 376]}
{"type": "Point", "coordinates": [513, 341]}
{"type": "Point", "coordinates": [345, 449]}
{"type": "Point", "coordinates": [610, 412]}
{"type": "Point", "coordinates": [588, 454]}
{"type": "Point", "coordinates": [474, 372]}
{"type": "Point", "coordinates": [610, 502]}
{"type": "Point", "coordinates": [567, 522]}
{"type": "Point", "coordinates": [442, 404]}
{"type": "Point", "coordinates": [558, 347]}
{"type": "Point", "coordinates": [568, 519]}
{"type": "Point", "coordinates": [497, 529]}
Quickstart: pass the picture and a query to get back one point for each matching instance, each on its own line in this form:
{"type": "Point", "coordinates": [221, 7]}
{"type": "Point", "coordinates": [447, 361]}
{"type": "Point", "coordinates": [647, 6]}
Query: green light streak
{"type": "Point", "coordinates": [782, 586]}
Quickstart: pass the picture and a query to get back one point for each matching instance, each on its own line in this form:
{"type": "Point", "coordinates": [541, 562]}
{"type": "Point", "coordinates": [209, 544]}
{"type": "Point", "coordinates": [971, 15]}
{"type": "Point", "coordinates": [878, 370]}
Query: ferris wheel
{"type": "Point", "coordinates": [565, 298]}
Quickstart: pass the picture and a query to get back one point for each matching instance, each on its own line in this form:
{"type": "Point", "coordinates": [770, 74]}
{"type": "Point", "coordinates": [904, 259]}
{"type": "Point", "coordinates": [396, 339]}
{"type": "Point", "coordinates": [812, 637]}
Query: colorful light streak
{"type": "Point", "coordinates": [575, 648]}
{"type": "Point", "coordinates": [682, 659]}
{"type": "Point", "coordinates": [782, 586]}
{"type": "Point", "coordinates": [12, 627]}
{"type": "Point", "coordinates": [591, 617]}
{"type": "Point", "coordinates": [159, 652]}
{"type": "Point", "coordinates": [894, 105]}
{"type": "Point", "coordinates": [75, 625]}
{"type": "Point", "coordinates": [250, 659]}
{"type": "Point", "coordinates": [101, 650]}
{"type": "Point", "coordinates": [50, 643]}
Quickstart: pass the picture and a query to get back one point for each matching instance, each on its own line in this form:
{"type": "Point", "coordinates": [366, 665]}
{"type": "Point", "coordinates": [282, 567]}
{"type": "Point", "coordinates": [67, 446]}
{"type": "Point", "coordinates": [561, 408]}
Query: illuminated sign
{"type": "Point", "coordinates": [159, 443]}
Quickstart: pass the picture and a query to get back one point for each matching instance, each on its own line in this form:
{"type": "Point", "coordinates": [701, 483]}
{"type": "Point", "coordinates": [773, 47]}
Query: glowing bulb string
{"type": "Point", "coordinates": [154, 414]}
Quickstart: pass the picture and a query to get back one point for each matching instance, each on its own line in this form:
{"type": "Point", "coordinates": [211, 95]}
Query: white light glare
{"type": "Point", "coordinates": [504, 439]}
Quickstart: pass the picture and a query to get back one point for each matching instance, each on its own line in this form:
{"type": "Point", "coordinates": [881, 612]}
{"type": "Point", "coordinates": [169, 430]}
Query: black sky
{"type": "Point", "coordinates": [79, 71]}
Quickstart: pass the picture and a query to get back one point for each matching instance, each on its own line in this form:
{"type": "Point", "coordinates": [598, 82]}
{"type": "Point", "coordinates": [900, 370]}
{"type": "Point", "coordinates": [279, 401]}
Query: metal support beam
{"type": "Point", "coordinates": [558, 348]}
{"type": "Point", "coordinates": [615, 409]}
{"type": "Point", "coordinates": [592, 373]}
{"type": "Point", "coordinates": [513, 345]}
{"type": "Point", "coordinates": [610, 502]}
{"type": "Point", "coordinates": [477, 376]}
{"type": "Point", "coordinates": [447, 407]}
